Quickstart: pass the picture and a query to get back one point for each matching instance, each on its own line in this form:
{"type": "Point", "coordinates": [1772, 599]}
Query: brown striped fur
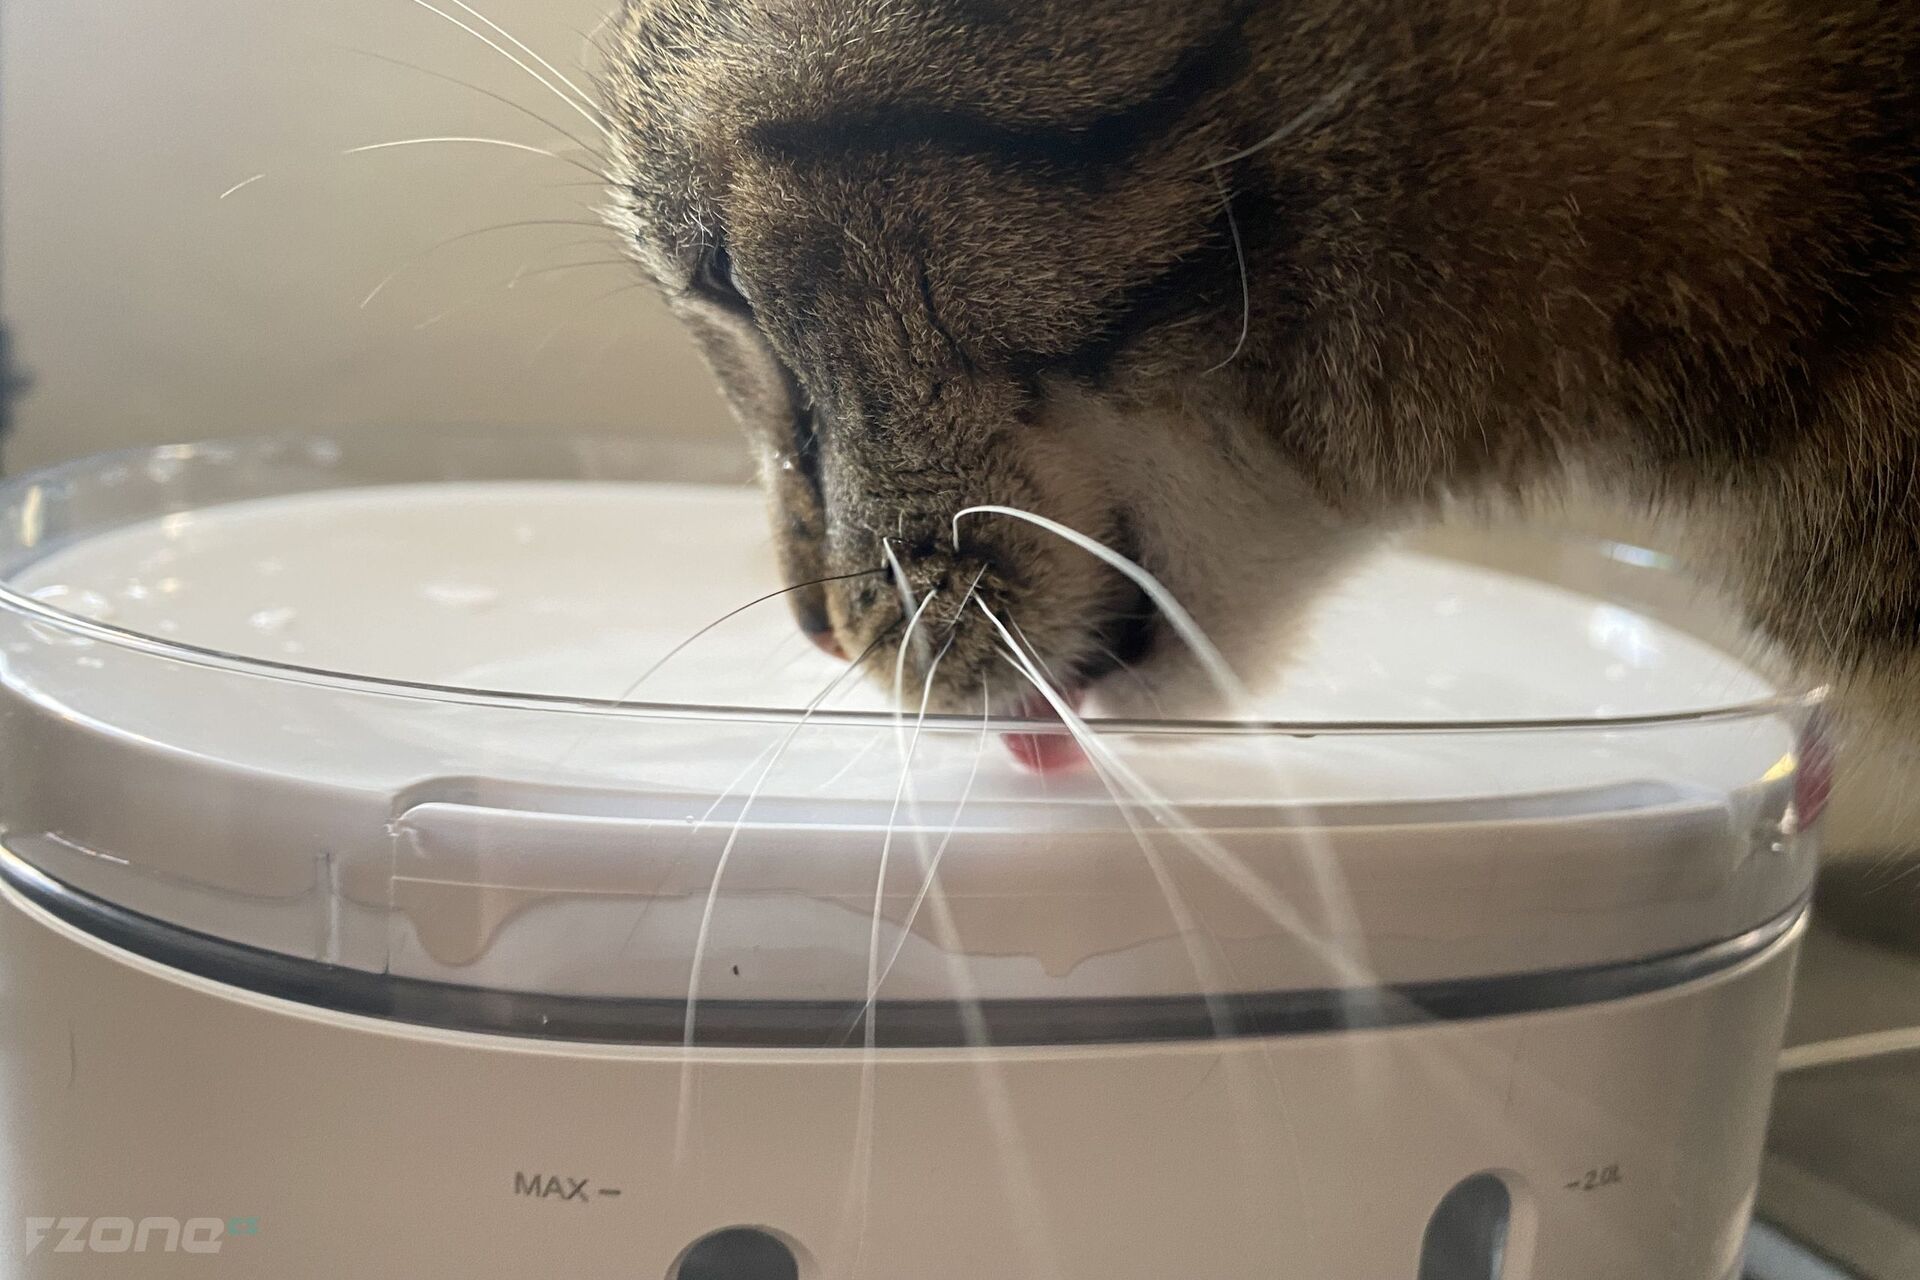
{"type": "Point", "coordinates": [993, 251]}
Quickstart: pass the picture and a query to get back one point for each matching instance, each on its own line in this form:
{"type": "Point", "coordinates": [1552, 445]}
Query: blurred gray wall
{"type": "Point", "coordinates": [147, 308]}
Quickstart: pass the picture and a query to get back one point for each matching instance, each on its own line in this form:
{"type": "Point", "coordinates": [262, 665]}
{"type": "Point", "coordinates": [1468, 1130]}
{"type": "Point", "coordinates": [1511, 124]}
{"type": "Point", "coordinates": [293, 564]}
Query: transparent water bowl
{"type": "Point", "coordinates": [357, 711]}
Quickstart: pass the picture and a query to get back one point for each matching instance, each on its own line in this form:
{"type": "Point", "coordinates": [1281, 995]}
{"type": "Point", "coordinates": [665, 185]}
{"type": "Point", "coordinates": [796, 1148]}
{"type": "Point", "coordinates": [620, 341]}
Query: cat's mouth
{"type": "Point", "coordinates": [1126, 640]}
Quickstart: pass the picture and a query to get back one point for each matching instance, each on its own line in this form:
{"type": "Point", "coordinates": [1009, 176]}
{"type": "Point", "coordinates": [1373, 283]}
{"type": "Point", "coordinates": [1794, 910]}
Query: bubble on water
{"type": "Point", "coordinates": [91, 663]}
{"type": "Point", "coordinates": [1625, 636]}
{"type": "Point", "coordinates": [76, 600]}
{"type": "Point", "coordinates": [177, 524]}
{"type": "Point", "coordinates": [165, 467]}
{"type": "Point", "coordinates": [272, 621]}
{"type": "Point", "coordinates": [292, 647]}
{"type": "Point", "coordinates": [271, 567]}
{"type": "Point", "coordinates": [460, 595]}
{"type": "Point", "coordinates": [324, 452]}
{"type": "Point", "coordinates": [73, 600]}
{"type": "Point", "coordinates": [166, 626]}
{"type": "Point", "coordinates": [523, 534]}
{"type": "Point", "coordinates": [136, 590]}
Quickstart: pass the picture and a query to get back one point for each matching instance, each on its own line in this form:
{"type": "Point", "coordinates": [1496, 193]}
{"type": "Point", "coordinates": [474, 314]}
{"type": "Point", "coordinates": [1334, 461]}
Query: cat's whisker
{"type": "Point", "coordinates": [1022, 1187]}
{"type": "Point", "coordinates": [789, 649]}
{"type": "Point", "coordinates": [930, 872]}
{"type": "Point", "coordinates": [1311, 115]}
{"type": "Point", "coordinates": [873, 745]}
{"type": "Point", "coordinates": [582, 312]}
{"type": "Point", "coordinates": [586, 99]}
{"type": "Point", "coordinates": [1107, 766]}
{"type": "Point", "coordinates": [579, 266]}
{"type": "Point", "coordinates": [908, 749]}
{"type": "Point", "coordinates": [930, 866]}
{"type": "Point", "coordinates": [900, 580]}
{"type": "Point", "coordinates": [590, 38]}
{"type": "Point", "coordinates": [900, 665]}
{"type": "Point", "coordinates": [436, 247]}
{"type": "Point", "coordinates": [1246, 277]}
{"type": "Point", "coordinates": [1023, 1192]}
{"type": "Point", "coordinates": [946, 645]}
{"type": "Point", "coordinates": [703, 935]}
{"type": "Point", "coordinates": [241, 185]}
{"type": "Point", "coordinates": [1352, 977]}
{"type": "Point", "coordinates": [585, 110]}
{"type": "Point", "coordinates": [484, 92]}
{"type": "Point", "coordinates": [1184, 922]}
{"type": "Point", "coordinates": [494, 291]}
{"type": "Point", "coordinates": [1126, 668]}
{"type": "Point", "coordinates": [453, 139]}
{"type": "Point", "coordinates": [726, 793]}
{"type": "Point", "coordinates": [860, 1188]}
{"type": "Point", "coordinates": [627, 694]}
{"type": "Point", "coordinates": [1207, 653]}
{"type": "Point", "coordinates": [1226, 864]}
{"type": "Point", "coordinates": [1235, 691]}
{"type": "Point", "coordinates": [1032, 651]}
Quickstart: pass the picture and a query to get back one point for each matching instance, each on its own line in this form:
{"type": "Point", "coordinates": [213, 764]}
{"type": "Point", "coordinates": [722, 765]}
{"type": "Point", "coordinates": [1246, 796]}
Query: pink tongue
{"type": "Point", "coordinates": [1045, 752]}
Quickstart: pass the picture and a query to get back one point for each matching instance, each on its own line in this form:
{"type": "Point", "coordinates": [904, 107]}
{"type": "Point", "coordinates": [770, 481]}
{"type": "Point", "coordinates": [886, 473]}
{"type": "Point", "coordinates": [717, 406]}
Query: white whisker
{"type": "Point", "coordinates": [454, 138]}
{"type": "Point", "coordinates": [1099, 759]}
{"type": "Point", "coordinates": [931, 871]}
{"type": "Point", "coordinates": [854, 759]}
{"type": "Point", "coordinates": [1105, 763]}
{"type": "Point", "coordinates": [900, 657]}
{"type": "Point", "coordinates": [1246, 278]}
{"type": "Point", "coordinates": [592, 117]}
{"type": "Point", "coordinates": [496, 291]}
{"type": "Point", "coordinates": [900, 582]}
{"type": "Point", "coordinates": [582, 95]}
{"type": "Point", "coordinates": [704, 934]}
{"type": "Point", "coordinates": [501, 98]}
{"type": "Point", "coordinates": [907, 752]}
{"type": "Point", "coordinates": [627, 694]}
{"type": "Point", "coordinates": [1352, 958]}
{"type": "Point", "coordinates": [1204, 649]}
{"type": "Point", "coordinates": [930, 867]}
{"type": "Point", "coordinates": [432, 249]}
{"type": "Point", "coordinates": [582, 312]}
{"type": "Point", "coordinates": [860, 1188]}
{"type": "Point", "coordinates": [241, 185]}
{"type": "Point", "coordinates": [590, 38]}
{"type": "Point", "coordinates": [1313, 113]}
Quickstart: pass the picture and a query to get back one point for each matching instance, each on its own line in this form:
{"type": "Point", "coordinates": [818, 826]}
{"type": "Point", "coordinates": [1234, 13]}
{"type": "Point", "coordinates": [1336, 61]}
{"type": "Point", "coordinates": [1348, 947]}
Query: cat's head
{"type": "Point", "coordinates": [954, 253]}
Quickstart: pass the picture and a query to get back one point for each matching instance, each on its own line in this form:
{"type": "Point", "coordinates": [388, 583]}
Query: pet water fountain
{"type": "Point", "coordinates": [359, 916]}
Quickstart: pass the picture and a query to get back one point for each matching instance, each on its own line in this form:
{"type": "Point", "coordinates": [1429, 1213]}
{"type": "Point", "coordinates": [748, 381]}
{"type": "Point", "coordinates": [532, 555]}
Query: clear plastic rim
{"type": "Point", "coordinates": [129, 640]}
{"type": "Point", "coordinates": [824, 1024]}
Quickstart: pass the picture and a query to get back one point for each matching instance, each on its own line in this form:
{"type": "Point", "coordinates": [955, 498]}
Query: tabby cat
{"type": "Point", "coordinates": [1240, 287]}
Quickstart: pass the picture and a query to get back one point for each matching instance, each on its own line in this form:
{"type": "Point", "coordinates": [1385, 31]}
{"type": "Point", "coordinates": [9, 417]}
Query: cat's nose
{"type": "Point", "coordinates": [826, 642]}
{"type": "Point", "coordinates": [810, 612]}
